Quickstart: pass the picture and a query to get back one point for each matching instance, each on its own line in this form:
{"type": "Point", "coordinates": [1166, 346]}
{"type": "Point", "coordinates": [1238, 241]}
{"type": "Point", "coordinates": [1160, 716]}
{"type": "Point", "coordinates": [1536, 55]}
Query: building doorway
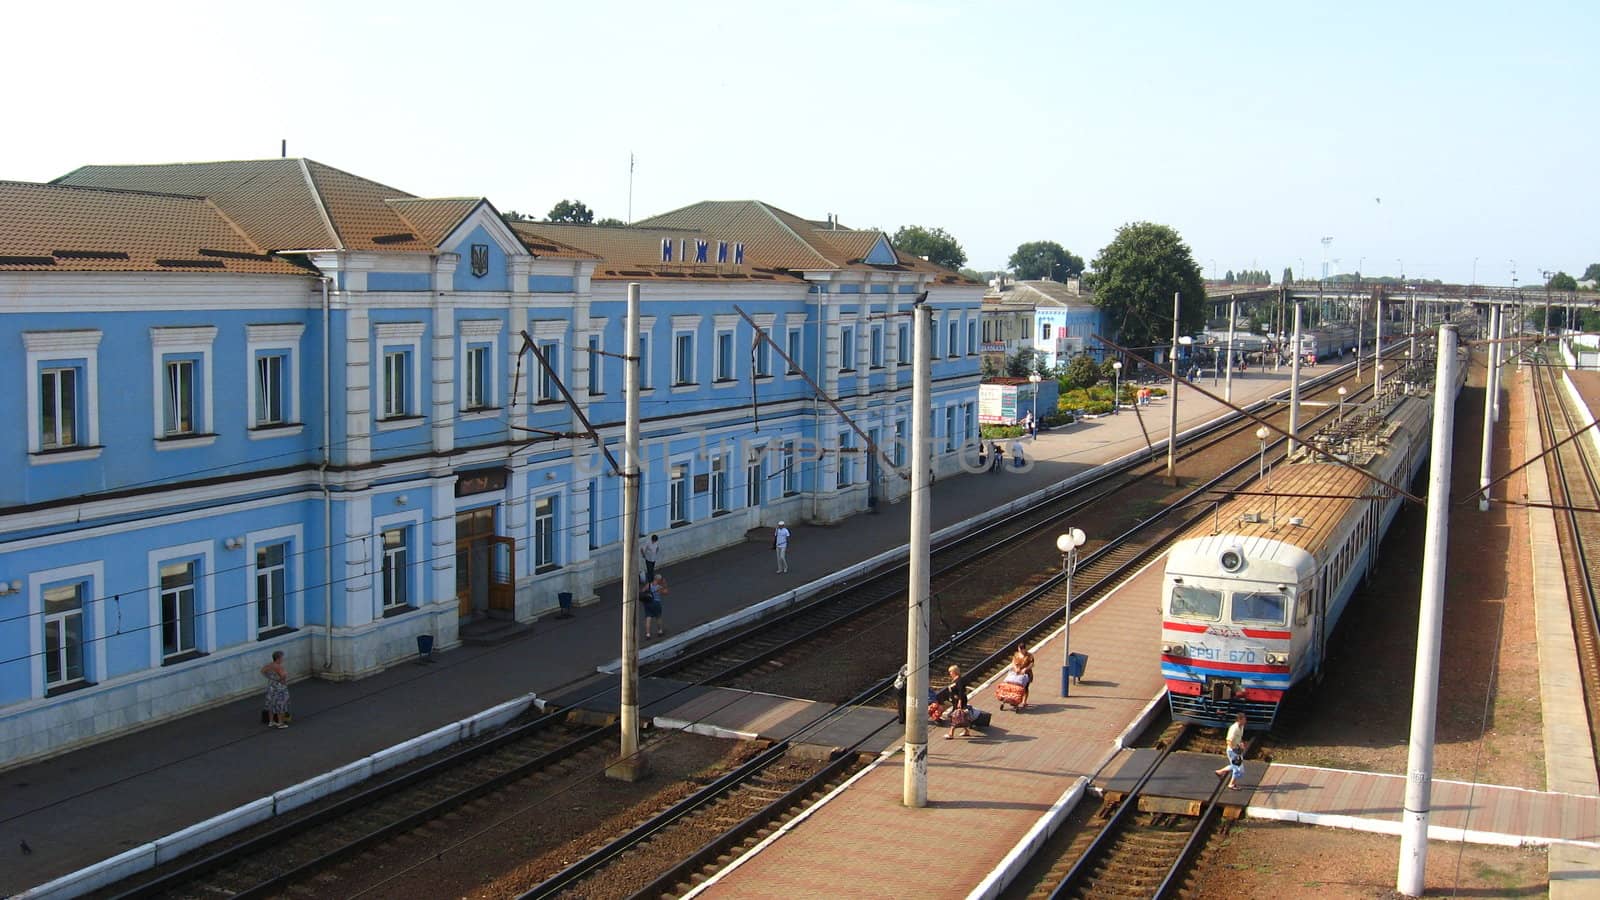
{"type": "Point", "coordinates": [486, 574]}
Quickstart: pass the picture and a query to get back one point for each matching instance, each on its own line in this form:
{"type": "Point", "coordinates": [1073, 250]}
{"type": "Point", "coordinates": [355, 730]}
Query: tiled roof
{"type": "Point", "coordinates": [48, 227]}
{"type": "Point", "coordinates": [549, 244]}
{"type": "Point", "coordinates": [432, 220]}
{"type": "Point", "coordinates": [283, 204]}
{"type": "Point", "coordinates": [1041, 293]}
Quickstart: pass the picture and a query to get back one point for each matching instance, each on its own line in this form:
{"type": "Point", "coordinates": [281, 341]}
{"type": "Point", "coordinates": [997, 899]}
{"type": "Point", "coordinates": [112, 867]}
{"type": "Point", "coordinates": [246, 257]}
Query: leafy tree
{"type": "Point", "coordinates": [1044, 259]}
{"type": "Point", "coordinates": [1288, 275]}
{"type": "Point", "coordinates": [1228, 278]}
{"type": "Point", "coordinates": [1561, 281]}
{"type": "Point", "coordinates": [572, 211]}
{"type": "Point", "coordinates": [1081, 373]}
{"type": "Point", "coordinates": [512, 215]}
{"type": "Point", "coordinates": [1592, 273]}
{"type": "Point", "coordinates": [610, 221]}
{"type": "Point", "coordinates": [1024, 363]}
{"type": "Point", "coordinates": [933, 244]}
{"type": "Point", "coordinates": [1135, 277]}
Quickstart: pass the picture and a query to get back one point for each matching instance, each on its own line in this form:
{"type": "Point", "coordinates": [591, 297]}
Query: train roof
{"type": "Point", "coordinates": [1306, 502]}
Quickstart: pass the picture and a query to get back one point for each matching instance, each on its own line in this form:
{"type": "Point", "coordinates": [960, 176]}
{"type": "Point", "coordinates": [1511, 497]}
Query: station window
{"type": "Point", "coordinates": [548, 392]}
{"type": "Point", "coordinates": [396, 569]}
{"type": "Point", "coordinates": [724, 356]}
{"type": "Point", "coordinates": [178, 585]}
{"type": "Point", "coordinates": [544, 533]}
{"type": "Point", "coordinates": [719, 484]}
{"type": "Point", "coordinates": [791, 474]}
{"type": "Point", "coordinates": [794, 350]}
{"type": "Point", "coordinates": [678, 495]}
{"type": "Point", "coordinates": [876, 350]}
{"type": "Point", "coordinates": [903, 350]}
{"type": "Point", "coordinates": [477, 386]}
{"type": "Point", "coordinates": [952, 344]}
{"type": "Point", "coordinates": [63, 634]}
{"type": "Point", "coordinates": [63, 409]}
{"type": "Point", "coordinates": [397, 384]}
{"type": "Point", "coordinates": [59, 409]}
{"type": "Point", "coordinates": [847, 348]}
{"type": "Point", "coordinates": [271, 586]}
{"type": "Point", "coordinates": [683, 358]}
{"type": "Point", "coordinates": [183, 381]}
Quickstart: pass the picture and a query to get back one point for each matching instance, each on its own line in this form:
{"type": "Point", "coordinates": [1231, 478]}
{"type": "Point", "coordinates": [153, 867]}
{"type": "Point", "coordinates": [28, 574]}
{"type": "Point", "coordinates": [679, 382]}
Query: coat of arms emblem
{"type": "Point", "coordinates": [480, 260]}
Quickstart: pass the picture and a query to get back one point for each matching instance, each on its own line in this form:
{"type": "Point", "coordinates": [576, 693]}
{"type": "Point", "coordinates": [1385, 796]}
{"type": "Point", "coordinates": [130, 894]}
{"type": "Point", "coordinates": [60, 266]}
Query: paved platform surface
{"type": "Point", "coordinates": [153, 782]}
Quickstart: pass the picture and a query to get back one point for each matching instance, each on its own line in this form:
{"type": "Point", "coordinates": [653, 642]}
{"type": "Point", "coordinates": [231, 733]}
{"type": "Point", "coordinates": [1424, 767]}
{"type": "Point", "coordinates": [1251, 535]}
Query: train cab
{"type": "Point", "coordinates": [1230, 607]}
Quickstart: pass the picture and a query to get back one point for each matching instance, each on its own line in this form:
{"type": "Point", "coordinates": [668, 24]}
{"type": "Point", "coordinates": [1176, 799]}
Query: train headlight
{"type": "Point", "coordinates": [1232, 559]}
{"type": "Point", "coordinates": [1277, 659]}
{"type": "Point", "coordinates": [1175, 648]}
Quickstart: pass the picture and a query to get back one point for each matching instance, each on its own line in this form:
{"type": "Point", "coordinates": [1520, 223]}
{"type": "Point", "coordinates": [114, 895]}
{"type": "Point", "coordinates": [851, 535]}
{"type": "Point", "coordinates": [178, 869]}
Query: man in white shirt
{"type": "Point", "coordinates": [780, 545]}
{"type": "Point", "coordinates": [648, 550]}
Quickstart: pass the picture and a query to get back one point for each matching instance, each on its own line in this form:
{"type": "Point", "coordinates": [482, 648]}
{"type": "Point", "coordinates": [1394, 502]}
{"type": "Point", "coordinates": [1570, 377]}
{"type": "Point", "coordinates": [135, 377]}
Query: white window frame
{"type": "Point", "coordinates": [646, 350]}
{"type": "Point", "coordinates": [473, 335]}
{"type": "Point", "coordinates": [535, 549]}
{"type": "Point", "coordinates": [950, 428]}
{"type": "Point", "coordinates": [42, 349]}
{"type": "Point", "coordinates": [94, 620]}
{"type": "Point", "coordinates": [680, 492]}
{"type": "Point", "coordinates": [398, 337]}
{"type": "Point", "coordinates": [952, 347]}
{"type": "Point", "coordinates": [847, 347]}
{"type": "Point", "coordinates": [293, 535]}
{"type": "Point", "coordinates": [273, 340]}
{"type": "Point", "coordinates": [727, 368]}
{"type": "Point", "coordinates": [755, 477]}
{"type": "Point", "coordinates": [875, 348]}
{"type": "Point", "coordinates": [900, 439]}
{"type": "Point", "coordinates": [972, 337]}
{"type": "Point", "coordinates": [596, 344]}
{"type": "Point", "coordinates": [680, 377]}
{"type": "Point", "coordinates": [795, 346]}
{"type": "Point", "coordinates": [844, 459]}
{"type": "Point", "coordinates": [189, 341]}
{"type": "Point", "coordinates": [594, 513]}
{"type": "Point", "coordinates": [969, 421]}
{"type": "Point", "coordinates": [791, 469]}
{"type": "Point", "coordinates": [412, 521]}
{"type": "Point", "coordinates": [902, 350]}
{"type": "Point", "coordinates": [720, 464]}
{"type": "Point", "coordinates": [205, 594]}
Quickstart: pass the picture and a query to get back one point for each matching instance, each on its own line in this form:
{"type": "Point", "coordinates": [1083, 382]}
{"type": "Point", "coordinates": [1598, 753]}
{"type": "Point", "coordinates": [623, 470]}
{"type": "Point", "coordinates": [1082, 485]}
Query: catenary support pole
{"type": "Point", "coordinates": [1361, 332]}
{"type": "Point", "coordinates": [1497, 353]}
{"type": "Point", "coordinates": [1377, 348]}
{"type": "Point", "coordinates": [1430, 622]}
{"type": "Point", "coordinates": [1233, 318]}
{"type": "Point", "coordinates": [1294, 384]}
{"type": "Point", "coordinates": [1488, 421]}
{"type": "Point", "coordinates": [1172, 415]}
{"type": "Point", "coordinates": [915, 792]}
{"type": "Point", "coordinates": [630, 764]}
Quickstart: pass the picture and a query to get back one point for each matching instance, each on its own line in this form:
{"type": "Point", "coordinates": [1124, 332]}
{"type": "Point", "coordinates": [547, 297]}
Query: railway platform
{"type": "Point", "coordinates": [152, 782]}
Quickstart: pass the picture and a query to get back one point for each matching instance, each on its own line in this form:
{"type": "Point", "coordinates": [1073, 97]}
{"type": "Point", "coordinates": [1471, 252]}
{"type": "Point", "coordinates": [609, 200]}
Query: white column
{"type": "Point", "coordinates": [915, 788]}
{"type": "Point", "coordinates": [442, 374]}
{"type": "Point", "coordinates": [442, 540]}
{"type": "Point", "coordinates": [1430, 624]}
{"type": "Point", "coordinates": [359, 553]}
{"type": "Point", "coordinates": [1294, 384]}
{"type": "Point", "coordinates": [356, 439]}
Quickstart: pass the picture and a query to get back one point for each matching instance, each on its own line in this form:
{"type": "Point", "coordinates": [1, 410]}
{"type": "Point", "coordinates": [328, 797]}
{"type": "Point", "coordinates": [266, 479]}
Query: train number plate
{"type": "Point", "coordinates": [1224, 654]}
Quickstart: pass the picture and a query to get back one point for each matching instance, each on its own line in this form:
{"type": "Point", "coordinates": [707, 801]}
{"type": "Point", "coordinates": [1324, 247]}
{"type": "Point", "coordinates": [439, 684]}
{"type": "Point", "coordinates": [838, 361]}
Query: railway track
{"type": "Point", "coordinates": [1573, 487]}
{"type": "Point", "coordinates": [300, 847]}
{"type": "Point", "coordinates": [1124, 849]}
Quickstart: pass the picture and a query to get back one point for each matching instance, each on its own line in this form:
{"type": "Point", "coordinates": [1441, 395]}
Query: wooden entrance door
{"type": "Point", "coordinates": [475, 532]}
{"type": "Point", "coordinates": [503, 575]}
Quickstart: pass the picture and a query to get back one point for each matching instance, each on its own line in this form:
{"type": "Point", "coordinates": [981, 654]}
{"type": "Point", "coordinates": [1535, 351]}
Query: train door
{"type": "Point", "coordinates": [1319, 608]}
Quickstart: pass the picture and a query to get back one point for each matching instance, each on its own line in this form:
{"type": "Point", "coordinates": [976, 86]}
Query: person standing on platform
{"type": "Point", "coordinates": [651, 599]}
{"type": "Point", "coordinates": [1235, 767]}
{"type": "Point", "coordinates": [900, 679]}
{"type": "Point", "coordinates": [997, 457]}
{"type": "Point", "coordinates": [1033, 428]}
{"type": "Point", "coordinates": [277, 691]}
{"type": "Point", "coordinates": [780, 546]}
{"type": "Point", "coordinates": [960, 713]}
{"type": "Point", "coordinates": [1016, 453]}
{"type": "Point", "coordinates": [650, 550]}
{"type": "Point", "coordinates": [983, 457]}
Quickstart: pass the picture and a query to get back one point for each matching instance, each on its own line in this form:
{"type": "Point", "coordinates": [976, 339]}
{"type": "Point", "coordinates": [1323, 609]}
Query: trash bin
{"type": "Point", "coordinates": [425, 647]}
{"type": "Point", "coordinates": [1076, 663]}
{"type": "Point", "coordinates": [564, 598]}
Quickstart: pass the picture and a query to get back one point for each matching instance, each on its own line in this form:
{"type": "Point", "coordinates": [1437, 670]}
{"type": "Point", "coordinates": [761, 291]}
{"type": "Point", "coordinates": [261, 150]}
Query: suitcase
{"type": "Point", "coordinates": [1007, 692]}
{"type": "Point", "coordinates": [981, 719]}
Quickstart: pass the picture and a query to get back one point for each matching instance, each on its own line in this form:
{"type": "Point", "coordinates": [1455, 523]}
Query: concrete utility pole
{"type": "Point", "coordinates": [1361, 323]}
{"type": "Point", "coordinates": [1172, 430]}
{"type": "Point", "coordinates": [1377, 347]}
{"type": "Point", "coordinates": [1488, 416]}
{"type": "Point", "coordinates": [631, 764]}
{"type": "Point", "coordinates": [1497, 352]}
{"type": "Point", "coordinates": [1430, 621]}
{"type": "Point", "coordinates": [915, 792]}
{"type": "Point", "coordinates": [1294, 385]}
{"type": "Point", "coordinates": [1233, 318]}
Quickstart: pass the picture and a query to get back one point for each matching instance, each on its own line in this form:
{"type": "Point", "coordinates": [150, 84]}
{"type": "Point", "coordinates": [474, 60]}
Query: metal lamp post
{"type": "Point", "coordinates": [1068, 543]}
{"type": "Point", "coordinates": [1341, 403]}
{"type": "Point", "coordinates": [1261, 468]}
{"type": "Point", "coordinates": [1035, 378]}
{"type": "Point", "coordinates": [1116, 390]}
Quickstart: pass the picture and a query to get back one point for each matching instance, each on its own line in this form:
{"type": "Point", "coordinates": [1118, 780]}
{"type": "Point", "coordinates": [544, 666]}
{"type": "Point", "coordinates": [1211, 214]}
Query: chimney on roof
{"type": "Point", "coordinates": [1074, 286]}
{"type": "Point", "coordinates": [283, 149]}
{"type": "Point", "coordinates": [833, 223]}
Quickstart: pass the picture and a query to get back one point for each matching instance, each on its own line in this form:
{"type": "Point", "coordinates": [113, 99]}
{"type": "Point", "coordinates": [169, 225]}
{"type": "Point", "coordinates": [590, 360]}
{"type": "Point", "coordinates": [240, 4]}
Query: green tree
{"type": "Point", "coordinates": [610, 221]}
{"type": "Point", "coordinates": [571, 211]}
{"type": "Point", "coordinates": [1561, 281]}
{"type": "Point", "coordinates": [1081, 373]}
{"type": "Point", "coordinates": [1228, 278]}
{"type": "Point", "coordinates": [1024, 363]}
{"type": "Point", "coordinates": [512, 215]}
{"type": "Point", "coordinates": [1135, 277]}
{"type": "Point", "coordinates": [933, 244]}
{"type": "Point", "coordinates": [1288, 275]}
{"type": "Point", "coordinates": [1592, 273]}
{"type": "Point", "coordinates": [1044, 259]}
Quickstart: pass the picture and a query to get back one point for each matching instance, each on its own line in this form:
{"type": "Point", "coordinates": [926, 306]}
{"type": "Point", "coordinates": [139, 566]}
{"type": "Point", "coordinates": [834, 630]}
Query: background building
{"type": "Point", "coordinates": [1055, 320]}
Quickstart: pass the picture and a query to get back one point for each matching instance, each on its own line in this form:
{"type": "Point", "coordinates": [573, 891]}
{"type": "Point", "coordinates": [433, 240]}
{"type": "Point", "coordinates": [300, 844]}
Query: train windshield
{"type": "Point", "coordinates": [1196, 602]}
{"type": "Point", "coordinates": [1260, 608]}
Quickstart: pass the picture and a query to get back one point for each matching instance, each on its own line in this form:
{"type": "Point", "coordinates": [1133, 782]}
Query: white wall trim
{"type": "Point", "coordinates": [94, 614]}
{"type": "Point", "coordinates": [42, 347]}
{"type": "Point", "coordinates": [294, 569]}
{"type": "Point", "coordinates": [205, 605]}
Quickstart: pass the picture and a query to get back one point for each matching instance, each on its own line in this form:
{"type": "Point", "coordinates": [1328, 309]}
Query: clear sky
{"type": "Point", "coordinates": [1433, 133]}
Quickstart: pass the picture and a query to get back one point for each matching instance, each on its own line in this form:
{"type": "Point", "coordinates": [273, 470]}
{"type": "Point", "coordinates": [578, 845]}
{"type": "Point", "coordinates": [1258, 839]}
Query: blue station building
{"type": "Point", "coordinates": [272, 405]}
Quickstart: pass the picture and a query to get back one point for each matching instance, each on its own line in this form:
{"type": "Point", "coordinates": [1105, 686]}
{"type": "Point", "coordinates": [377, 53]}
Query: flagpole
{"type": "Point", "coordinates": [630, 187]}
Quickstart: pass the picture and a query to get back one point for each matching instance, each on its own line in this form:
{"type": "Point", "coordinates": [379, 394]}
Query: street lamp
{"type": "Point", "coordinates": [1116, 390]}
{"type": "Point", "coordinates": [1035, 378]}
{"type": "Point", "coordinates": [1261, 468]}
{"type": "Point", "coordinates": [1341, 403]}
{"type": "Point", "coordinates": [1068, 543]}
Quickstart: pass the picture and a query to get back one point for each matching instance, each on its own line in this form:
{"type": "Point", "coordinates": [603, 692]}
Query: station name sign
{"type": "Point", "coordinates": [480, 481]}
